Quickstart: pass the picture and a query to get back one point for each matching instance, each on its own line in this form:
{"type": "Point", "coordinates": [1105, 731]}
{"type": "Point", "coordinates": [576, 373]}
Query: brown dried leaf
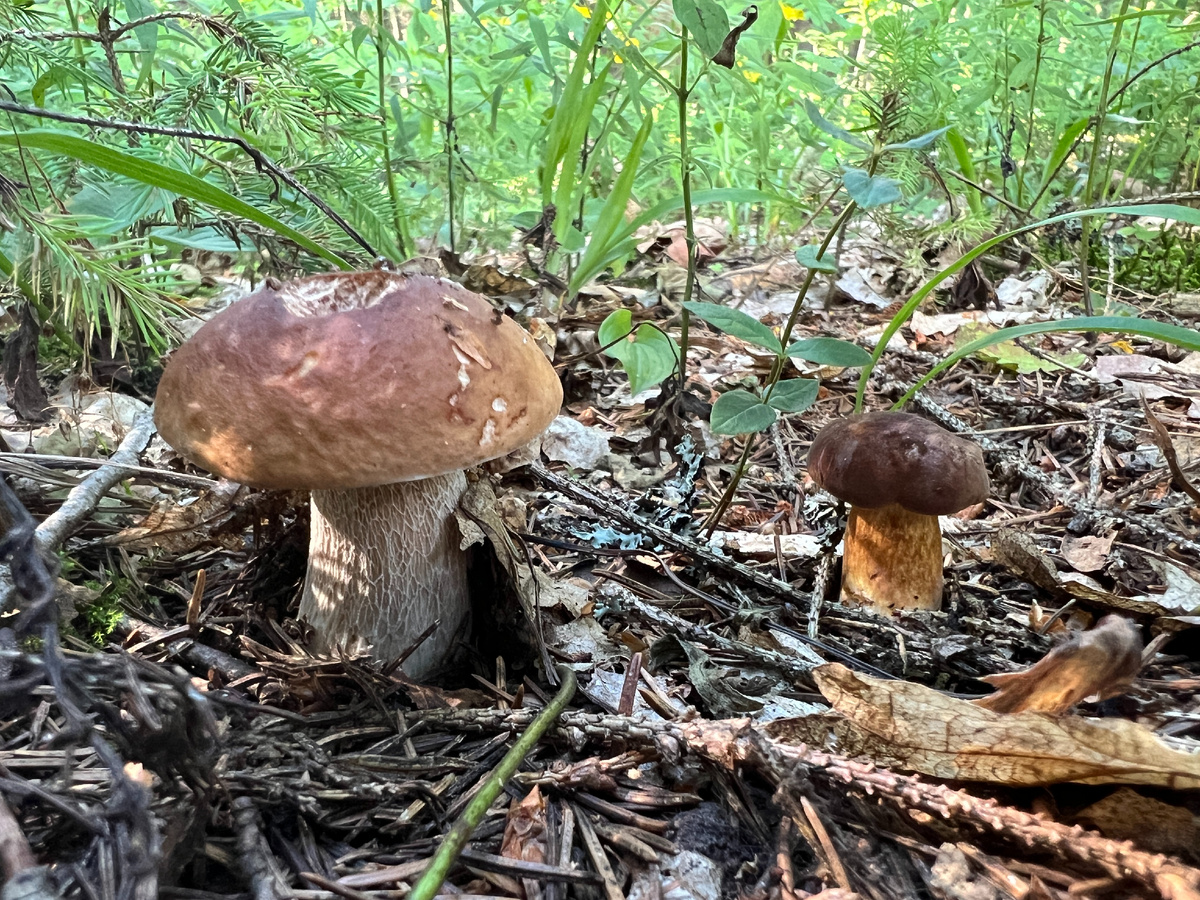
{"type": "Point", "coordinates": [1126, 815]}
{"type": "Point", "coordinates": [1099, 662]}
{"type": "Point", "coordinates": [525, 830]}
{"type": "Point", "coordinates": [1018, 553]}
{"type": "Point", "coordinates": [1087, 553]}
{"type": "Point", "coordinates": [214, 517]}
{"type": "Point", "coordinates": [913, 727]}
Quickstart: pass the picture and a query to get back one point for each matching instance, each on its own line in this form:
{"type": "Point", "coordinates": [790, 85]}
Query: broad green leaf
{"type": "Point", "coordinates": [870, 191]}
{"type": "Point", "coordinates": [647, 355]}
{"type": "Point", "coordinates": [827, 351]}
{"type": "Point", "coordinates": [795, 395]}
{"type": "Point", "coordinates": [1187, 338]}
{"type": "Point", "coordinates": [147, 35]}
{"type": "Point", "coordinates": [740, 412]}
{"type": "Point", "coordinates": [203, 238]}
{"type": "Point", "coordinates": [807, 257]}
{"type": "Point", "coordinates": [833, 130]}
{"type": "Point", "coordinates": [605, 232]}
{"type": "Point", "coordinates": [706, 20]}
{"type": "Point", "coordinates": [1162, 210]}
{"type": "Point", "coordinates": [736, 323]}
{"type": "Point", "coordinates": [183, 183]}
{"type": "Point", "coordinates": [920, 143]}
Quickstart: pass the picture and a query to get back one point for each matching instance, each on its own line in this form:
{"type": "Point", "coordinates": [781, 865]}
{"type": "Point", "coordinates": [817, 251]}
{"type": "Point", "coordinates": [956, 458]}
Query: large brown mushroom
{"type": "Point", "coordinates": [898, 472]}
{"type": "Point", "coordinates": [374, 390]}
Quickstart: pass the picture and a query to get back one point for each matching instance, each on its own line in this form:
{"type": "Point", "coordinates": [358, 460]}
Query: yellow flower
{"type": "Point", "coordinates": [504, 20]}
{"type": "Point", "coordinates": [583, 10]}
{"type": "Point", "coordinates": [791, 13]}
{"type": "Point", "coordinates": [752, 76]}
{"type": "Point", "coordinates": [1123, 346]}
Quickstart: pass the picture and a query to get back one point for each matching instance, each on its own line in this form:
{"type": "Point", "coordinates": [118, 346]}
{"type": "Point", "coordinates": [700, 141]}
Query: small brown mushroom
{"type": "Point", "coordinates": [375, 391]}
{"type": "Point", "coordinates": [898, 472]}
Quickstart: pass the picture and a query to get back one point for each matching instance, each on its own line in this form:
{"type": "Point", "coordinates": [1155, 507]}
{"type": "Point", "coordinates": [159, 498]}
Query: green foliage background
{"type": "Point", "coordinates": [93, 235]}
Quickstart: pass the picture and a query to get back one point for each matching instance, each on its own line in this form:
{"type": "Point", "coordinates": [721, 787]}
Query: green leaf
{"type": "Point", "coordinates": [1062, 147]}
{"type": "Point", "coordinates": [706, 20]}
{"type": "Point", "coordinates": [833, 130]}
{"type": "Point", "coordinates": [736, 323]}
{"type": "Point", "coordinates": [870, 191]}
{"type": "Point", "coordinates": [807, 257]}
{"type": "Point", "coordinates": [569, 108]}
{"type": "Point", "coordinates": [1187, 338]}
{"type": "Point", "coordinates": [740, 412]}
{"type": "Point", "coordinates": [920, 143]}
{"type": "Point", "coordinates": [147, 35]}
{"type": "Point", "coordinates": [184, 184]}
{"type": "Point", "coordinates": [794, 395]}
{"type": "Point", "coordinates": [826, 351]}
{"type": "Point", "coordinates": [538, 29]}
{"type": "Point", "coordinates": [605, 231]}
{"type": "Point", "coordinates": [647, 355]}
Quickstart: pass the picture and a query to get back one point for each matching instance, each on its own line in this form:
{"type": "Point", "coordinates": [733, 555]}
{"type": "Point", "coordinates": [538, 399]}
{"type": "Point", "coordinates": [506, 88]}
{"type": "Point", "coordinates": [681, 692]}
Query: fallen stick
{"type": "Point", "coordinates": [83, 499]}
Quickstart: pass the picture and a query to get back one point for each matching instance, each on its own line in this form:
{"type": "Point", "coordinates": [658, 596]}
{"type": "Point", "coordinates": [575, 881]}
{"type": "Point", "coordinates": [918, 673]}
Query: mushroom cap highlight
{"type": "Point", "coordinates": [880, 458]}
{"type": "Point", "coordinates": [354, 380]}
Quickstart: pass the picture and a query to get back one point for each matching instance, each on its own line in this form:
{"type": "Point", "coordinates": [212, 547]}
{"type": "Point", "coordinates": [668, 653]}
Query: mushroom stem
{"type": "Point", "coordinates": [384, 563]}
{"type": "Point", "coordinates": [892, 559]}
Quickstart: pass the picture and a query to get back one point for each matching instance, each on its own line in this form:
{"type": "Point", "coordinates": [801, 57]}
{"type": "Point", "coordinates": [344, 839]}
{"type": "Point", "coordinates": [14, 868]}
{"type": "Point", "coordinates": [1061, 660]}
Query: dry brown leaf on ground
{"type": "Point", "coordinates": [1126, 815]}
{"type": "Point", "coordinates": [1020, 554]}
{"type": "Point", "coordinates": [913, 727]}
{"type": "Point", "coordinates": [525, 830]}
{"type": "Point", "coordinates": [173, 528]}
{"type": "Point", "coordinates": [1100, 662]}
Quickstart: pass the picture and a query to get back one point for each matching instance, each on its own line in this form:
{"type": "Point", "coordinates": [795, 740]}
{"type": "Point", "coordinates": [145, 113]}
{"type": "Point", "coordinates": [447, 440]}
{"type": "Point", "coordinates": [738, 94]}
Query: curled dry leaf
{"type": "Point", "coordinates": [1100, 662]}
{"type": "Point", "coordinates": [525, 830]}
{"type": "Point", "coordinates": [913, 727]}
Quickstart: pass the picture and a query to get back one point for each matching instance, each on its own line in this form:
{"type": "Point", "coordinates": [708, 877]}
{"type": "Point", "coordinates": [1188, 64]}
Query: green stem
{"type": "Point", "coordinates": [714, 518]}
{"type": "Point", "coordinates": [1094, 163]}
{"type": "Point", "coordinates": [1029, 125]}
{"type": "Point", "coordinates": [785, 338]}
{"type": "Point", "coordinates": [685, 171]}
{"type": "Point", "coordinates": [454, 842]}
{"type": "Point", "coordinates": [381, 60]}
{"type": "Point", "coordinates": [450, 139]}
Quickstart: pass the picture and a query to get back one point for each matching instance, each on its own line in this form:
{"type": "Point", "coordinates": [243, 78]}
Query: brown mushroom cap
{"type": "Point", "coordinates": [353, 380]}
{"type": "Point", "coordinates": [876, 459]}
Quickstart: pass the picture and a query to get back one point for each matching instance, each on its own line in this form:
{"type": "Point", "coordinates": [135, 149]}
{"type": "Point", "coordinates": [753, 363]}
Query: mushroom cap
{"type": "Point", "coordinates": [876, 459]}
{"type": "Point", "coordinates": [354, 380]}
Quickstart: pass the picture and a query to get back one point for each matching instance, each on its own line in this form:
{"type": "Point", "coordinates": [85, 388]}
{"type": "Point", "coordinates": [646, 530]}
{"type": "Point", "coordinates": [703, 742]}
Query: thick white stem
{"type": "Point", "coordinates": [383, 564]}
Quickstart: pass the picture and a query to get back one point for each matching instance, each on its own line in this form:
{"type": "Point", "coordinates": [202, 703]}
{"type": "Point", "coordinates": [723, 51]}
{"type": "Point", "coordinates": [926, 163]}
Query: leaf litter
{"type": "Point", "coordinates": [297, 771]}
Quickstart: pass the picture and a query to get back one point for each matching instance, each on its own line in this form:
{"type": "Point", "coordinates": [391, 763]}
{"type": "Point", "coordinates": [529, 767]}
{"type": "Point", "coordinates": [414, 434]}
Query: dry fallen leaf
{"type": "Point", "coordinates": [913, 727]}
{"type": "Point", "coordinates": [1018, 553]}
{"type": "Point", "coordinates": [216, 516]}
{"type": "Point", "coordinates": [1099, 662]}
{"type": "Point", "coordinates": [1088, 553]}
{"type": "Point", "coordinates": [1126, 815]}
{"type": "Point", "coordinates": [525, 831]}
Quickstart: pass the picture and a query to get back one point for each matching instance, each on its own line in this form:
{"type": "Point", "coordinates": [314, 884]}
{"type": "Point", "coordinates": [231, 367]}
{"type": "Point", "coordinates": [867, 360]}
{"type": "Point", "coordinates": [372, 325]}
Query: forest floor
{"type": "Point", "coordinates": [737, 731]}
